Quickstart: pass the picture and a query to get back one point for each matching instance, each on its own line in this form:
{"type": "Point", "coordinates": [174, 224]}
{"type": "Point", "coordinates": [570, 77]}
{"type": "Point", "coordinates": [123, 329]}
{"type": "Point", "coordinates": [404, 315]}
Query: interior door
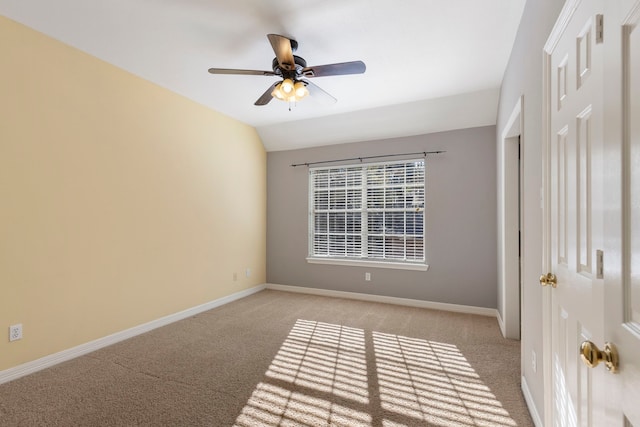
{"type": "Point", "coordinates": [622, 218]}
{"type": "Point", "coordinates": [575, 220]}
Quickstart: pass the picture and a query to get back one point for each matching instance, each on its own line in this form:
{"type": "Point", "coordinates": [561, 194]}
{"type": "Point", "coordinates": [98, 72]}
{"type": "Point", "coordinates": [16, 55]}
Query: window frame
{"type": "Point", "coordinates": [364, 210]}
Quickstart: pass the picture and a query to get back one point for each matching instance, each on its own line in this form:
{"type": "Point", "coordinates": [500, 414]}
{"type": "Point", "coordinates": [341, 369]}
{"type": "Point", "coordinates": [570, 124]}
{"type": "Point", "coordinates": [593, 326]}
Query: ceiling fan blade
{"type": "Point", "coordinates": [266, 97]}
{"type": "Point", "coordinates": [342, 68]}
{"type": "Point", "coordinates": [243, 72]}
{"type": "Point", "coordinates": [282, 47]}
{"type": "Point", "coordinates": [316, 91]}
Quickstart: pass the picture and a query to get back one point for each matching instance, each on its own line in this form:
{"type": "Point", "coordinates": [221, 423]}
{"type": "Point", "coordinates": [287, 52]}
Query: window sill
{"type": "Point", "coordinates": [372, 264]}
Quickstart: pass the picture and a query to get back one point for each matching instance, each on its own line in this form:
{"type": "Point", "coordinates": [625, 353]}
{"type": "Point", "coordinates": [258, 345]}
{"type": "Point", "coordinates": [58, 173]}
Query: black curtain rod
{"type": "Point", "coordinates": [424, 153]}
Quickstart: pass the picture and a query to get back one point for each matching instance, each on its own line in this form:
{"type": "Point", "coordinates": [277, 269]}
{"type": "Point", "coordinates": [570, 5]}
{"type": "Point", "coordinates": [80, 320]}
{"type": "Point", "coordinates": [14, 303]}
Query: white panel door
{"type": "Point", "coordinates": [575, 199]}
{"type": "Point", "coordinates": [593, 212]}
{"type": "Point", "coordinates": [622, 218]}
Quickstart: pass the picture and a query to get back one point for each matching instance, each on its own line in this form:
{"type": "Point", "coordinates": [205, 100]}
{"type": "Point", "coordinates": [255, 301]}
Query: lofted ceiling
{"type": "Point", "coordinates": [432, 65]}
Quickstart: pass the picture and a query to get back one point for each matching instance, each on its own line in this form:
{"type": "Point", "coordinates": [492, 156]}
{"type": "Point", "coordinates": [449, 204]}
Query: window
{"type": "Point", "coordinates": [372, 213]}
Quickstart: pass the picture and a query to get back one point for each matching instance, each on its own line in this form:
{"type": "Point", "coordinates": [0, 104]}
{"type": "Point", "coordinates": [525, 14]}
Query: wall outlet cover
{"type": "Point", "coordinates": [15, 332]}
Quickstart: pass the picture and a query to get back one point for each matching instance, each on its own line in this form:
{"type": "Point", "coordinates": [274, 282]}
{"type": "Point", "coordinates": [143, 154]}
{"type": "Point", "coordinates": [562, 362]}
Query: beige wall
{"type": "Point", "coordinates": [120, 202]}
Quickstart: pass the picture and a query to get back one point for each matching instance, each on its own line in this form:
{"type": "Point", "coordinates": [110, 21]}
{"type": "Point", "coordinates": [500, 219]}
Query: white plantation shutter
{"type": "Point", "coordinates": [368, 212]}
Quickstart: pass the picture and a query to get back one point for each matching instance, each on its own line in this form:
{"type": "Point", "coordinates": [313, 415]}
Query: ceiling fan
{"type": "Point", "coordinates": [294, 72]}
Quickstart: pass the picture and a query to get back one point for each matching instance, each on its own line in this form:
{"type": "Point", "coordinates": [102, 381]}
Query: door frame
{"type": "Point", "coordinates": [510, 216]}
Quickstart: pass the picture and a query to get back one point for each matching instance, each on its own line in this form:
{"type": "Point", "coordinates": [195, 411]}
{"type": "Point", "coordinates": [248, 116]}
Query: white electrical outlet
{"type": "Point", "coordinates": [534, 365]}
{"type": "Point", "coordinates": [367, 276]}
{"type": "Point", "coordinates": [248, 272]}
{"type": "Point", "coordinates": [15, 332]}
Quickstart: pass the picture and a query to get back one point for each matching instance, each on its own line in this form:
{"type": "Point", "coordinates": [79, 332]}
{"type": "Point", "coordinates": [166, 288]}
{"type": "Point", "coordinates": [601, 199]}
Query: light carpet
{"type": "Point", "coordinates": [285, 359]}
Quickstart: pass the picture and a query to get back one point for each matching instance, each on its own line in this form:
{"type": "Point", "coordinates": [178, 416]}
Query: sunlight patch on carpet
{"type": "Point", "coordinates": [324, 357]}
{"type": "Point", "coordinates": [434, 383]}
{"type": "Point", "coordinates": [271, 406]}
{"type": "Point", "coordinates": [320, 377]}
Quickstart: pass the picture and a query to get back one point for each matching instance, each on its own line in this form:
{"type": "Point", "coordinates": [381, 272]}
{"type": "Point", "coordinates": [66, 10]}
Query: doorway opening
{"type": "Point", "coordinates": [510, 220]}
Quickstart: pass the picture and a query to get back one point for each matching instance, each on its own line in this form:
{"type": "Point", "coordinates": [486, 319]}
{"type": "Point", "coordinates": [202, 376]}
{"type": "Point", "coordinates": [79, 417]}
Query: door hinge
{"type": "Point", "coordinates": [599, 264]}
{"type": "Point", "coordinates": [599, 28]}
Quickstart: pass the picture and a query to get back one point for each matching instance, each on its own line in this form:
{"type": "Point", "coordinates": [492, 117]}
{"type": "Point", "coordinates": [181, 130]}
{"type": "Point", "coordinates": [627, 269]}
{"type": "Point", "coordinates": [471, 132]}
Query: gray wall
{"type": "Point", "coordinates": [524, 77]}
{"type": "Point", "coordinates": [460, 221]}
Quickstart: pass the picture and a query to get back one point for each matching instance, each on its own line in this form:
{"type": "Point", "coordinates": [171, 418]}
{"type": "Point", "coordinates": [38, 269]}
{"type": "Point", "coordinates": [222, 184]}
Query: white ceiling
{"type": "Point", "coordinates": [432, 65]}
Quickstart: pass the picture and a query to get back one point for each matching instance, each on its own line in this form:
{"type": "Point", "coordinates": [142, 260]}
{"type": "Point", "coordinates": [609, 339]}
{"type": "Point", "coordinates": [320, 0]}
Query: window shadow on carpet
{"type": "Point", "coordinates": [332, 375]}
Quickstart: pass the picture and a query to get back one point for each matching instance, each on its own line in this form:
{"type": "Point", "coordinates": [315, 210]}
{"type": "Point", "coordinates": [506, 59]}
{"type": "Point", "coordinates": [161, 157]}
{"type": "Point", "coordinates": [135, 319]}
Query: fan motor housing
{"type": "Point", "coordinates": [293, 74]}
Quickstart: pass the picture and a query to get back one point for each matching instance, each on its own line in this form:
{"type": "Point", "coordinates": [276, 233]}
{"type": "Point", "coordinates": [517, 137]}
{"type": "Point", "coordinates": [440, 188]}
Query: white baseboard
{"type": "Point", "coordinates": [491, 312]}
{"type": "Point", "coordinates": [501, 324]}
{"type": "Point", "coordinates": [71, 353]}
{"type": "Point", "coordinates": [535, 416]}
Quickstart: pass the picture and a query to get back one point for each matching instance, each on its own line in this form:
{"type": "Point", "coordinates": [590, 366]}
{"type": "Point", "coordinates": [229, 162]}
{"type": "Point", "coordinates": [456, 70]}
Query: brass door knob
{"type": "Point", "coordinates": [549, 279]}
{"type": "Point", "coordinates": [591, 355]}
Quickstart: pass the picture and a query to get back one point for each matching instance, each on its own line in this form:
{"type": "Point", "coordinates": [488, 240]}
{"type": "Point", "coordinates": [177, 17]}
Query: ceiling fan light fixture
{"type": "Point", "coordinates": [289, 91]}
{"type": "Point", "coordinates": [294, 71]}
{"type": "Point", "coordinates": [300, 90]}
{"type": "Point", "coordinates": [277, 92]}
{"type": "Point", "coordinates": [286, 86]}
